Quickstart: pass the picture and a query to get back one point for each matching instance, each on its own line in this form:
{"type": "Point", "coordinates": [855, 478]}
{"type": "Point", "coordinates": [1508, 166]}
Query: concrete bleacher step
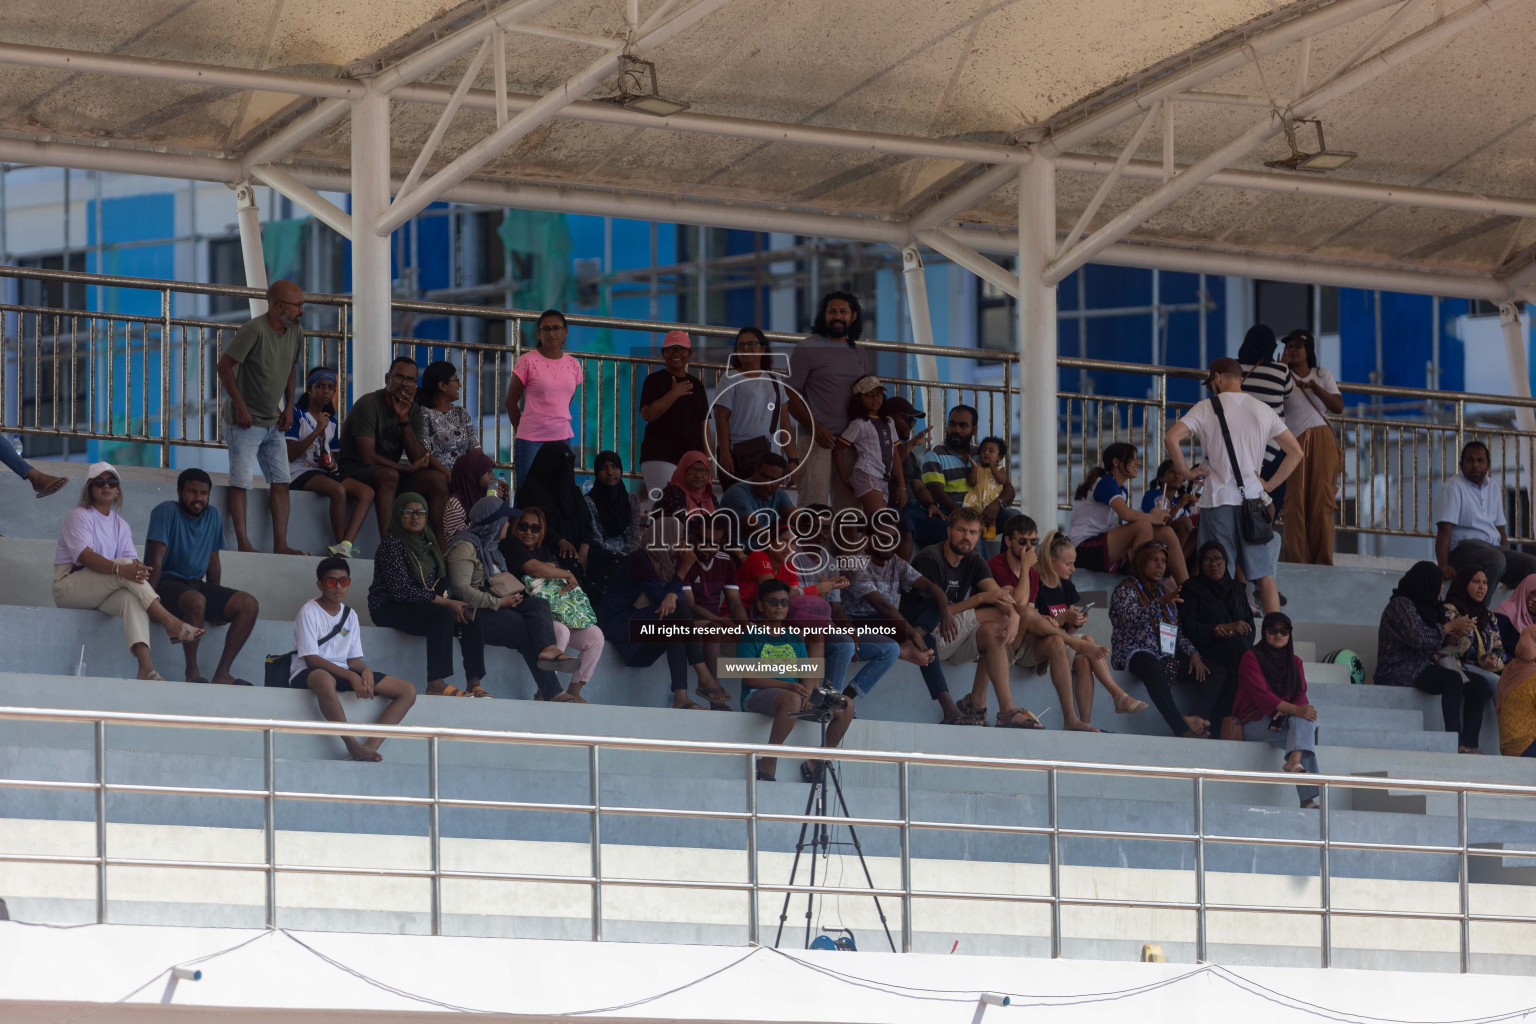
{"type": "Point", "coordinates": [309, 525]}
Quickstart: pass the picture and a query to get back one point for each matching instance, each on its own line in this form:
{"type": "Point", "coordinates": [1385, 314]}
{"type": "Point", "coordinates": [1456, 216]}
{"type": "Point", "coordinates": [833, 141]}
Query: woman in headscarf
{"type": "Point", "coordinates": [1515, 699]}
{"type": "Point", "coordinates": [550, 484]}
{"type": "Point", "coordinates": [1517, 613]}
{"type": "Point", "coordinates": [648, 588]}
{"type": "Point", "coordinates": [1479, 652]}
{"type": "Point", "coordinates": [1218, 618]}
{"type": "Point", "coordinates": [618, 523]}
{"type": "Point", "coordinates": [473, 477]}
{"type": "Point", "coordinates": [1146, 639]}
{"type": "Point", "coordinates": [1413, 629]}
{"type": "Point", "coordinates": [691, 489]}
{"type": "Point", "coordinates": [1272, 701]}
{"type": "Point", "coordinates": [517, 621]}
{"type": "Point", "coordinates": [529, 558]}
{"type": "Point", "coordinates": [410, 593]}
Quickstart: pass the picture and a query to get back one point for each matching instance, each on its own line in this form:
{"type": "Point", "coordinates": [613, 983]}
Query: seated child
{"type": "Point", "coordinates": [988, 476]}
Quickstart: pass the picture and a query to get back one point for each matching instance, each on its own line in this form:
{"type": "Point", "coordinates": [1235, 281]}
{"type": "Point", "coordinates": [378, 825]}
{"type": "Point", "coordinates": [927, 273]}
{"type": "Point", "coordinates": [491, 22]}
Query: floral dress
{"type": "Point", "coordinates": [1482, 642]}
{"type": "Point", "coordinates": [448, 434]}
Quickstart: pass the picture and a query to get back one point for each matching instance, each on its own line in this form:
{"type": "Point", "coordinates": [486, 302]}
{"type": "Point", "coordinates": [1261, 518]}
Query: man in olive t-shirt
{"type": "Point", "coordinates": [381, 427]}
{"type": "Point", "coordinates": [257, 372]}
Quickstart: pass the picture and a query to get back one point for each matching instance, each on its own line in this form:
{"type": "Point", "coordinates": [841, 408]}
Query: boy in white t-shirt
{"type": "Point", "coordinates": [328, 658]}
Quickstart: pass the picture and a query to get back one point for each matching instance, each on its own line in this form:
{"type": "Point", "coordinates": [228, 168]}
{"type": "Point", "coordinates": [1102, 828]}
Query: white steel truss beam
{"type": "Point", "coordinates": [1074, 134]}
{"type": "Point", "coordinates": [1368, 43]}
{"type": "Point", "coordinates": [1421, 42]}
{"type": "Point", "coordinates": [947, 245]}
{"type": "Point", "coordinates": [1086, 219]}
{"type": "Point", "coordinates": [321, 208]}
{"type": "Point", "coordinates": [433, 56]}
{"type": "Point", "coordinates": [294, 134]}
{"type": "Point", "coordinates": [443, 120]}
{"type": "Point", "coordinates": [1316, 185]}
{"type": "Point", "coordinates": [207, 75]}
{"type": "Point", "coordinates": [508, 135]}
{"type": "Point", "coordinates": [965, 197]}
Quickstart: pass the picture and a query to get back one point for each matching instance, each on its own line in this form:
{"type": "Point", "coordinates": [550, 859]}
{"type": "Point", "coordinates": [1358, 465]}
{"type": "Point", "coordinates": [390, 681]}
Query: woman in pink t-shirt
{"type": "Point", "coordinates": [544, 381]}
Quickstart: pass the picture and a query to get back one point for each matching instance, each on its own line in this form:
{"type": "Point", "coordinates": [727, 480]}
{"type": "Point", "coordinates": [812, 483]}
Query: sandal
{"type": "Point", "coordinates": [449, 690]}
{"type": "Point", "coordinates": [564, 663]}
{"type": "Point", "coordinates": [719, 698]}
{"type": "Point", "coordinates": [1297, 769]}
{"type": "Point", "coordinates": [968, 708]}
{"type": "Point", "coordinates": [479, 691]}
{"type": "Point", "coordinates": [810, 770]}
{"type": "Point", "coordinates": [1128, 705]}
{"type": "Point", "coordinates": [153, 677]}
{"type": "Point", "coordinates": [1018, 718]}
{"type": "Point", "coordinates": [186, 634]}
{"type": "Point", "coordinates": [566, 698]}
{"type": "Point", "coordinates": [964, 719]}
{"type": "Point", "coordinates": [687, 705]}
{"type": "Point", "coordinates": [763, 776]}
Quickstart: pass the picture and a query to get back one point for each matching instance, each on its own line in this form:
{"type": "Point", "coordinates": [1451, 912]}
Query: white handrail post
{"type": "Point", "coordinates": [1037, 341]}
{"type": "Point", "coordinates": [372, 283]}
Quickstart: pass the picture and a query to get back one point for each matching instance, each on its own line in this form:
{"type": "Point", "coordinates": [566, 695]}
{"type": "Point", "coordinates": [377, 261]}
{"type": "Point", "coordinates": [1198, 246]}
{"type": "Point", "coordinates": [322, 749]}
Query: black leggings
{"type": "Point", "coordinates": [1460, 702]}
{"type": "Point", "coordinates": [1148, 667]}
{"type": "Point", "coordinates": [526, 628]}
{"type": "Point", "coordinates": [927, 620]}
{"type": "Point", "coordinates": [436, 623]}
{"type": "Point", "coordinates": [680, 654]}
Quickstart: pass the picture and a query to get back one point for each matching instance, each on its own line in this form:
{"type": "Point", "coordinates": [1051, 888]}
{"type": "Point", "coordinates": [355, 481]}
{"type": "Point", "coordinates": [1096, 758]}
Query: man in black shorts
{"type": "Point", "coordinates": [381, 427]}
{"type": "Point", "coordinates": [182, 552]}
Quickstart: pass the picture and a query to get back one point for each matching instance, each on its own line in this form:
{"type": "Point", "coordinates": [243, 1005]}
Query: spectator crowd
{"type": "Point", "coordinates": [804, 494]}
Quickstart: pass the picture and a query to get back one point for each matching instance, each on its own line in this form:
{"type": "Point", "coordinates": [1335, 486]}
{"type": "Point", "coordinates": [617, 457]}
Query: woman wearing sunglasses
{"type": "Point", "coordinates": [1272, 701]}
{"type": "Point", "coordinates": [96, 566]}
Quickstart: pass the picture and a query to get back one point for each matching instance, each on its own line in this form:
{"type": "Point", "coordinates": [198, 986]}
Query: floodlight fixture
{"type": "Point", "coordinates": [1319, 162]}
{"type": "Point", "coordinates": [633, 76]}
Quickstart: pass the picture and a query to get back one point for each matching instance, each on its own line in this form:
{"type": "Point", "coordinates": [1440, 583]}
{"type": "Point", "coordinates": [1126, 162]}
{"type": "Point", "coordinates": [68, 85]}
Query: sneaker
{"type": "Point", "coordinates": [345, 549]}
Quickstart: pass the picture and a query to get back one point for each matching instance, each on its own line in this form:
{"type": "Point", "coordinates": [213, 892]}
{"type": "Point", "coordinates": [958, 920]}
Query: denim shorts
{"type": "Point", "coordinates": [248, 445]}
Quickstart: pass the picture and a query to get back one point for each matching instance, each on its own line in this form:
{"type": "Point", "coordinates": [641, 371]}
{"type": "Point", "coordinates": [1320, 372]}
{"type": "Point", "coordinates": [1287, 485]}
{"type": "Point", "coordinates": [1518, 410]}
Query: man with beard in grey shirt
{"type": "Point", "coordinates": [822, 371]}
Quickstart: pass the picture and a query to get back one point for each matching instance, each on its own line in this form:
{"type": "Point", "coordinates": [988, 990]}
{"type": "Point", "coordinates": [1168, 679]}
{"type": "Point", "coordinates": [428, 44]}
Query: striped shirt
{"type": "Point", "coordinates": [1270, 382]}
{"type": "Point", "coordinates": [946, 471]}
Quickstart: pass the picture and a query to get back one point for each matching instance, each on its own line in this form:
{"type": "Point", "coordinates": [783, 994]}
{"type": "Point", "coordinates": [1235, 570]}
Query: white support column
{"type": "Point", "coordinates": [917, 309]}
{"type": "Point", "coordinates": [1519, 369]}
{"type": "Point", "coordinates": [248, 215]}
{"type": "Point", "coordinates": [372, 285]}
{"type": "Point", "coordinates": [1037, 343]}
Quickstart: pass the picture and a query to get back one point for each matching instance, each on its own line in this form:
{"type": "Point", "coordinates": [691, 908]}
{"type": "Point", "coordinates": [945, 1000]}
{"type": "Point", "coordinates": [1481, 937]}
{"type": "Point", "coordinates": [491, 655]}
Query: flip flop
{"type": "Point", "coordinates": [1132, 705]}
{"type": "Point", "coordinates": [154, 677]}
{"type": "Point", "coordinates": [566, 698]}
{"type": "Point", "coordinates": [564, 663]}
{"type": "Point", "coordinates": [719, 700]}
{"type": "Point", "coordinates": [201, 679]}
{"type": "Point", "coordinates": [53, 488]}
{"type": "Point", "coordinates": [243, 682]}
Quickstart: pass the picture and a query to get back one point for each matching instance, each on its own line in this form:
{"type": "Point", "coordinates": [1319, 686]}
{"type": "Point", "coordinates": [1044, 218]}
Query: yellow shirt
{"type": "Point", "coordinates": [986, 491]}
{"type": "Point", "coordinates": [1517, 718]}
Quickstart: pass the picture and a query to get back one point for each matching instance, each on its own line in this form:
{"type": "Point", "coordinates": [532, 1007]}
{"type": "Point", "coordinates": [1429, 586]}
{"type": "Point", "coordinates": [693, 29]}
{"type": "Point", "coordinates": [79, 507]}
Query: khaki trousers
{"type": "Point", "coordinates": [123, 598]}
{"type": "Point", "coordinates": [1310, 500]}
{"type": "Point", "coordinates": [817, 482]}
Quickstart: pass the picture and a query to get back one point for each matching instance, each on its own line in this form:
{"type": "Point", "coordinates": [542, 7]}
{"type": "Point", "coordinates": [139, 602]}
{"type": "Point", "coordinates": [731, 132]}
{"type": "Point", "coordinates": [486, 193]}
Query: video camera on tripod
{"type": "Point", "coordinates": [822, 704]}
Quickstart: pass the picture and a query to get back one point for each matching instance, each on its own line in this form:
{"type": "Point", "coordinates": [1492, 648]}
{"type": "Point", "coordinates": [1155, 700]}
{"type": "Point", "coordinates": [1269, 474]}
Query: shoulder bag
{"type": "Point", "coordinates": [279, 667]}
{"type": "Point", "coordinates": [1255, 519]}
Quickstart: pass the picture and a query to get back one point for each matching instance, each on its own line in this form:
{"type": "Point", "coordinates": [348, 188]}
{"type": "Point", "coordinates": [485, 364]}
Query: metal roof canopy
{"type": "Point", "coordinates": [1017, 127]}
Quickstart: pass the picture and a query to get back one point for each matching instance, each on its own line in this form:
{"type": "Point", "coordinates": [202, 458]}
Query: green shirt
{"type": "Point", "coordinates": [760, 643]}
{"type": "Point", "coordinates": [372, 417]}
{"type": "Point", "coordinates": [264, 359]}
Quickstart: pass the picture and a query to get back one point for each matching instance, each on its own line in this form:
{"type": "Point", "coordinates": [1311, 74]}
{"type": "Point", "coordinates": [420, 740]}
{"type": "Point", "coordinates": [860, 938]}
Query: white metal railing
{"type": "Point", "coordinates": [98, 376]}
{"type": "Point", "coordinates": [751, 817]}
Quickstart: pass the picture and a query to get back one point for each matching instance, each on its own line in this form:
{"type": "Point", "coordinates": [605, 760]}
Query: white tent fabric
{"type": "Point", "coordinates": [878, 115]}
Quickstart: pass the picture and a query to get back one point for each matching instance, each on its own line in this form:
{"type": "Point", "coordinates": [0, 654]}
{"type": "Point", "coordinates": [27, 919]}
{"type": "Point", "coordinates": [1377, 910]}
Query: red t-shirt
{"type": "Point", "coordinates": [1002, 571]}
{"type": "Point", "coordinates": [757, 564]}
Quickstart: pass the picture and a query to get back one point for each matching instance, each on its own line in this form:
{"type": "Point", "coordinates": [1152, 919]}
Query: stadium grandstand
{"type": "Point", "coordinates": [1036, 226]}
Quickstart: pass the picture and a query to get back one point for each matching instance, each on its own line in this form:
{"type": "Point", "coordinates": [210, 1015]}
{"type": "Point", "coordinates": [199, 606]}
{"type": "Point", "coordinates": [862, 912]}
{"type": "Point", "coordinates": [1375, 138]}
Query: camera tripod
{"type": "Point", "coordinates": [818, 802]}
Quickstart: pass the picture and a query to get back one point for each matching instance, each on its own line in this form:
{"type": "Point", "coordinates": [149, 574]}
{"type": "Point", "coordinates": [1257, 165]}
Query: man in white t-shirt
{"type": "Point", "coordinates": [1252, 425]}
{"type": "Point", "coordinates": [1470, 524]}
{"type": "Point", "coordinates": [328, 658]}
{"type": "Point", "coordinates": [1311, 497]}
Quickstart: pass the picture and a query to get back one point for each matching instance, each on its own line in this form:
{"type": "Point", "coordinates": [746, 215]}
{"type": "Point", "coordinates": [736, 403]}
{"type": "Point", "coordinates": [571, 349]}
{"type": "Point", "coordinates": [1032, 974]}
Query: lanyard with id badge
{"type": "Point", "coordinates": [1167, 627]}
